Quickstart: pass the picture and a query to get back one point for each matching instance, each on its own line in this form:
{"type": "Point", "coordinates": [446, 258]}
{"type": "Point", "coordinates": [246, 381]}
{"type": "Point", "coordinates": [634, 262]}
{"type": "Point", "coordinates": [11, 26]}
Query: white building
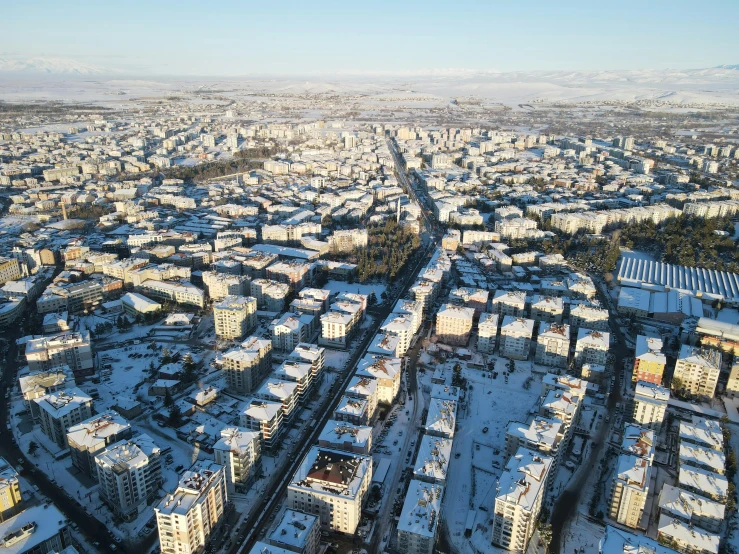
{"type": "Point", "coordinates": [92, 436]}
{"type": "Point", "coordinates": [592, 347]}
{"type": "Point", "coordinates": [515, 337]}
{"type": "Point", "coordinates": [332, 485]}
{"type": "Point", "coordinates": [553, 344]}
{"type": "Point", "coordinates": [297, 532]}
{"type": "Point", "coordinates": [386, 372]}
{"type": "Point", "coordinates": [238, 451]}
{"type": "Point", "coordinates": [235, 316]}
{"type": "Point", "coordinates": [188, 517]}
{"type": "Point", "coordinates": [520, 493]}
{"type": "Point", "coordinates": [420, 517]}
{"type": "Point", "coordinates": [487, 333]}
{"type": "Point", "coordinates": [650, 405]}
{"type": "Point", "coordinates": [68, 349]}
{"type": "Point", "coordinates": [61, 410]}
{"type": "Point", "coordinates": [264, 417]}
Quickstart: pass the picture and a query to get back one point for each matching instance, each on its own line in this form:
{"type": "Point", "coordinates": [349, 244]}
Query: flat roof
{"type": "Point", "coordinates": [422, 509]}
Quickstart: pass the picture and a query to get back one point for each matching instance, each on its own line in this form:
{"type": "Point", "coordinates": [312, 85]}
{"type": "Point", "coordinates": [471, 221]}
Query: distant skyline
{"type": "Point", "coordinates": [231, 38]}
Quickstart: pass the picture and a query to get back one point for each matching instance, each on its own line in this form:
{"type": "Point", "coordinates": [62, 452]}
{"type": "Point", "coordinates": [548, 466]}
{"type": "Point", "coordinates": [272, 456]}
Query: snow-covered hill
{"type": "Point", "coordinates": [53, 66]}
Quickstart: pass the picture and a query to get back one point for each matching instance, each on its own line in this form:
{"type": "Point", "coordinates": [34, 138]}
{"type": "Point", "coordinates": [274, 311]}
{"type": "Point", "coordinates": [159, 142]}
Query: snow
{"type": "Point", "coordinates": [337, 287]}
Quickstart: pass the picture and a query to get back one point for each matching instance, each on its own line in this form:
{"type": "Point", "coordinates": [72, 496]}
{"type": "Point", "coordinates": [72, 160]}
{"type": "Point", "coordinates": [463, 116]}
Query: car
{"type": "Point", "coordinates": [112, 547]}
{"type": "Point", "coordinates": [570, 464]}
{"type": "Point", "coordinates": [179, 468]}
{"type": "Point", "coordinates": [484, 429]}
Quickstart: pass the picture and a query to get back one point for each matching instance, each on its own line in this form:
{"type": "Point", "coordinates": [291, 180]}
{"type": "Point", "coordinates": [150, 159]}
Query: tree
{"type": "Point", "coordinates": [166, 356]}
{"type": "Point", "coordinates": [175, 414]}
{"type": "Point", "coordinates": [190, 369]}
{"type": "Point", "coordinates": [545, 534]}
{"type": "Point", "coordinates": [372, 300]}
{"type": "Point", "coordinates": [32, 448]}
{"type": "Point", "coordinates": [168, 399]}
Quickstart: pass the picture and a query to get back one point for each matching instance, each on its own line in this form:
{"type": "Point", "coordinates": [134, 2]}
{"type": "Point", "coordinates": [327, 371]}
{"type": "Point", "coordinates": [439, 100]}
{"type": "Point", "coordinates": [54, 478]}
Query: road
{"type": "Point", "coordinates": [566, 506]}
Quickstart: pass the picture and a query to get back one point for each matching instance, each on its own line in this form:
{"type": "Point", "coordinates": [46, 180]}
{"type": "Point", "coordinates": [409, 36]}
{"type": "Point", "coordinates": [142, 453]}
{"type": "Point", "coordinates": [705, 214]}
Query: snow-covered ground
{"type": "Point", "coordinates": [337, 287]}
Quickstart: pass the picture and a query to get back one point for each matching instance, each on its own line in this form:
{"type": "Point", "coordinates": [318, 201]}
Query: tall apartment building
{"type": "Point", "coordinates": [592, 347]}
{"type": "Point", "coordinates": [650, 405]}
{"type": "Point", "coordinates": [540, 434]}
{"type": "Point", "coordinates": [348, 240]}
{"type": "Point", "coordinates": [130, 474]}
{"type": "Point", "coordinates": [697, 370]}
{"type": "Point", "coordinates": [284, 392]}
{"type": "Point", "coordinates": [418, 525]}
{"type": "Point", "coordinates": [629, 490]}
{"type": "Point", "coordinates": [553, 344]}
{"type": "Point", "coordinates": [515, 337]}
{"type": "Point", "coordinates": [290, 330]}
{"type": "Point", "coordinates": [264, 417]}
{"type": "Point", "coordinates": [510, 303]}
{"type": "Point", "coordinates": [589, 317]}
{"type": "Point", "coordinates": [60, 411]}
{"type": "Point", "coordinates": [188, 517]}
{"type": "Point", "coordinates": [235, 316]}
{"type": "Point", "coordinates": [332, 485]}
{"type": "Point", "coordinates": [454, 324]}
{"type": "Point", "coordinates": [520, 493]}
{"type": "Point", "coordinates": [37, 529]}
{"type": "Point", "coordinates": [649, 361]}
{"type": "Point", "coordinates": [68, 349]}
{"type": "Point", "coordinates": [10, 270]}
{"type": "Point", "coordinates": [299, 372]}
{"type": "Point", "coordinates": [401, 326]}
{"type": "Point", "coordinates": [270, 295]}
{"type": "Point", "coordinates": [487, 333]}
{"type": "Point", "coordinates": [312, 354]}
{"type": "Point", "coordinates": [11, 498]}
{"type": "Point", "coordinates": [90, 437]}
{"type": "Point", "coordinates": [246, 366]}
{"type": "Point", "coordinates": [296, 532]}
{"type": "Point", "coordinates": [220, 285]}
{"type": "Point", "coordinates": [386, 372]}
{"type": "Point", "coordinates": [238, 451]}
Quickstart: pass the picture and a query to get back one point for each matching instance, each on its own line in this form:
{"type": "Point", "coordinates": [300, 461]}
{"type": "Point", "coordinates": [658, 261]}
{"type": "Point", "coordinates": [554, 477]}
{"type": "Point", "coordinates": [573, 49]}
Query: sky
{"type": "Point", "coordinates": [230, 38]}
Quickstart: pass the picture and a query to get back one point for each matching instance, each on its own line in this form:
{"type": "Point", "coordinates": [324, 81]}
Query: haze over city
{"type": "Point", "coordinates": [380, 278]}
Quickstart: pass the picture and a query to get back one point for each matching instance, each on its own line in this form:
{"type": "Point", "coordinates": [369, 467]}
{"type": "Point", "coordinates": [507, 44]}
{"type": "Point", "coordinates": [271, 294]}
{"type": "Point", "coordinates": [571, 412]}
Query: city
{"type": "Point", "coordinates": [455, 312]}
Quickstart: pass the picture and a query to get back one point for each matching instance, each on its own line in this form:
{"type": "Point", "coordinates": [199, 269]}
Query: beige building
{"type": "Point", "coordinates": [487, 333]}
{"type": "Point", "coordinates": [697, 371]}
{"type": "Point", "coordinates": [332, 485]}
{"type": "Point", "coordinates": [629, 490]}
{"type": "Point", "coordinates": [60, 411]}
{"type": "Point", "coordinates": [246, 366]}
{"type": "Point", "coordinates": [553, 344]}
{"type": "Point", "coordinates": [68, 349]}
{"type": "Point", "coordinates": [454, 324]}
{"type": "Point", "coordinates": [238, 451]}
{"type": "Point", "coordinates": [515, 337]}
{"type": "Point", "coordinates": [188, 517]}
{"type": "Point", "coordinates": [386, 372]}
{"type": "Point", "coordinates": [90, 437]}
{"type": "Point", "coordinates": [9, 270]}
{"type": "Point", "coordinates": [11, 499]}
{"type": "Point", "coordinates": [650, 405]}
{"type": "Point", "coordinates": [235, 316]}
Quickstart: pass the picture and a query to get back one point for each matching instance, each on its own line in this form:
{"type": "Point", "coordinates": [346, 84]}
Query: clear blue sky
{"type": "Point", "coordinates": [238, 38]}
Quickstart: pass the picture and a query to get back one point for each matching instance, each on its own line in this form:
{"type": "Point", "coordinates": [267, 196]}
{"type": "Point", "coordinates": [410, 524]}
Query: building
{"type": "Point", "coordinates": [10, 270]}
{"type": "Point", "coordinates": [592, 347]}
{"type": "Point", "coordinates": [332, 485]}
{"type": "Point", "coordinates": [649, 361]}
{"type": "Point", "coordinates": [454, 324]}
{"type": "Point", "coordinates": [511, 303]}
{"type": "Point", "coordinates": [618, 541]}
{"type": "Point", "coordinates": [420, 517]}
{"type": "Point", "coordinates": [271, 295]}
{"type": "Point", "coordinates": [36, 530]}
{"type": "Point", "coordinates": [298, 372]}
{"type": "Point", "coordinates": [188, 517]}
{"type": "Point", "coordinates": [515, 337]}
{"type": "Point", "coordinates": [487, 333]}
{"type": "Point", "coordinates": [290, 330]}
{"type": "Point", "coordinates": [691, 508]}
{"type": "Point", "coordinates": [130, 474]}
{"type": "Point", "coordinates": [385, 371]}
{"type": "Point", "coordinates": [686, 538]}
{"type": "Point", "coordinates": [650, 405]}
{"type": "Point", "coordinates": [135, 305]}
{"type": "Point", "coordinates": [297, 532]}
{"type": "Point", "coordinates": [284, 392]}
{"type": "Point", "coordinates": [90, 437]}
{"type": "Point", "coordinates": [703, 482]}
{"type": "Point", "coordinates": [629, 490]}
{"type": "Point", "coordinates": [441, 418]}
{"type": "Point", "coordinates": [178, 292]}
{"type": "Point", "coordinates": [39, 383]}
{"type": "Point", "coordinates": [60, 411]}
{"type": "Point", "coordinates": [68, 349]}
{"type": "Point", "coordinates": [697, 371]}
{"type": "Point", "coordinates": [11, 498]}
{"type": "Point", "coordinates": [312, 354]}
{"type": "Point", "coordinates": [235, 316]}
{"type": "Point", "coordinates": [520, 493]}
{"type": "Point", "coordinates": [553, 344]}
{"type": "Point", "coordinates": [547, 309]}
{"type": "Point", "coordinates": [584, 315]}
{"type": "Point", "coordinates": [220, 285]}
{"type": "Point", "coordinates": [401, 326]}
{"type": "Point", "coordinates": [345, 436]}
{"type": "Point", "coordinates": [238, 451]}
{"type": "Point", "coordinates": [432, 461]}
{"type": "Point", "coordinates": [703, 433]}
{"type": "Point", "coordinates": [264, 417]}
{"type": "Point", "coordinates": [246, 366]}
{"type": "Point", "coordinates": [540, 434]}
{"type": "Point", "coordinates": [364, 388]}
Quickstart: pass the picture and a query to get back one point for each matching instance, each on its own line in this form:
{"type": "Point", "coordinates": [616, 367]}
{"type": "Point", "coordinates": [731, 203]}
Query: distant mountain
{"type": "Point", "coordinates": [50, 66]}
{"type": "Point", "coordinates": [735, 66]}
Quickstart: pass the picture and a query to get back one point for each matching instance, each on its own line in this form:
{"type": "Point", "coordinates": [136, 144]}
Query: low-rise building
{"type": "Point", "coordinates": [691, 508]}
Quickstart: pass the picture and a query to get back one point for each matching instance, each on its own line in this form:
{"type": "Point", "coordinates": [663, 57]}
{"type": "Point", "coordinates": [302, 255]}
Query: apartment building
{"type": "Point", "coordinates": [703, 433]}
{"type": "Point", "coordinates": [487, 333]}
{"type": "Point", "coordinates": [332, 485]}
{"type": "Point", "coordinates": [67, 349]}
{"type": "Point", "coordinates": [649, 361]}
{"type": "Point", "coordinates": [11, 498]}
{"type": "Point", "coordinates": [220, 285]}
{"type": "Point", "coordinates": [540, 434]}
{"type": "Point", "coordinates": [432, 460]}
{"type": "Point", "coordinates": [511, 303]}
{"type": "Point", "coordinates": [238, 451]}
{"type": "Point", "coordinates": [691, 508]}
{"type": "Point", "coordinates": [235, 316]}
{"type": "Point", "coordinates": [10, 270]}
{"type": "Point", "coordinates": [188, 517]}
{"type": "Point", "coordinates": [589, 317]}
{"type": "Point", "coordinates": [130, 474]}
{"type": "Point", "coordinates": [247, 365]}
{"type": "Point", "coordinates": [291, 329]}
{"type": "Point", "coordinates": [547, 309]}
{"type": "Point", "coordinates": [697, 371]}
{"type": "Point", "coordinates": [60, 411]}
{"type": "Point", "coordinates": [284, 392]}
{"type": "Point", "coordinates": [592, 347]}
{"type": "Point", "coordinates": [629, 490]}
{"type": "Point", "coordinates": [348, 240]}
{"type": "Point", "coordinates": [684, 537]}
{"type": "Point", "coordinates": [37, 529]}
{"type": "Point", "coordinates": [515, 337]}
{"type": "Point", "coordinates": [264, 417]}
{"type": "Point", "coordinates": [341, 435]}
{"type": "Point", "coordinates": [311, 354]}
{"type": "Point", "coordinates": [553, 344]}
{"type": "Point", "coordinates": [401, 326]}
{"type": "Point", "coordinates": [336, 329]}
{"type": "Point", "coordinates": [385, 371]}
{"type": "Point", "coordinates": [441, 419]}
{"type": "Point", "coordinates": [90, 437]}
{"type": "Point", "coordinates": [298, 372]}
{"type": "Point", "coordinates": [178, 292]}
{"type": "Point", "coordinates": [650, 405]}
{"type": "Point", "coordinates": [271, 295]}
{"type": "Point", "coordinates": [472, 298]}
{"type": "Point", "coordinates": [297, 532]}
{"type": "Point", "coordinates": [454, 324]}
{"type": "Point", "coordinates": [520, 494]}
{"type": "Point", "coordinates": [294, 273]}
{"type": "Point", "coordinates": [135, 305]}
{"type": "Point", "coordinates": [420, 517]}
